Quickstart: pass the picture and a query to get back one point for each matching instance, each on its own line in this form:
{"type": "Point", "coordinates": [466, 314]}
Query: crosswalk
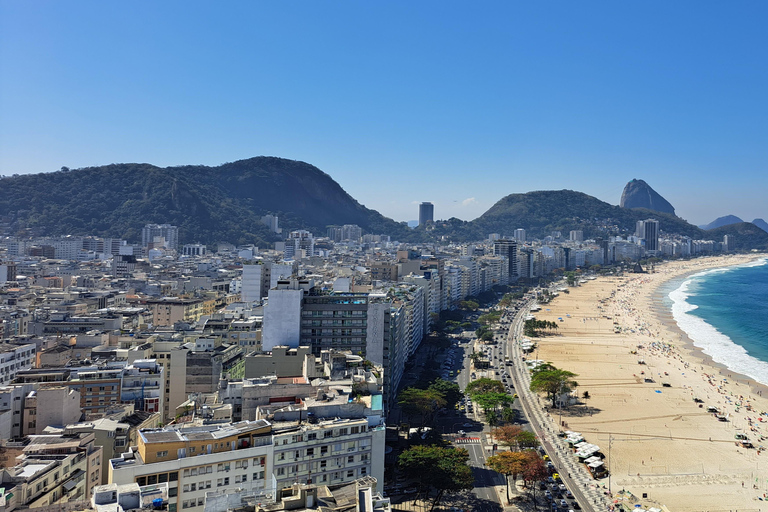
{"type": "Point", "coordinates": [467, 440]}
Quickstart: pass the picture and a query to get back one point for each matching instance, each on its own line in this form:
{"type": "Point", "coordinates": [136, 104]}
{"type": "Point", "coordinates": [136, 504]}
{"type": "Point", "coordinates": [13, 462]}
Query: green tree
{"type": "Point", "coordinates": [440, 469]}
{"type": "Point", "coordinates": [450, 391]}
{"type": "Point", "coordinates": [508, 414]}
{"type": "Point", "coordinates": [527, 440]}
{"type": "Point", "coordinates": [492, 400]}
{"type": "Point", "coordinates": [482, 386]}
{"type": "Point", "coordinates": [469, 305]}
{"type": "Point", "coordinates": [553, 382]}
{"type": "Point", "coordinates": [421, 402]}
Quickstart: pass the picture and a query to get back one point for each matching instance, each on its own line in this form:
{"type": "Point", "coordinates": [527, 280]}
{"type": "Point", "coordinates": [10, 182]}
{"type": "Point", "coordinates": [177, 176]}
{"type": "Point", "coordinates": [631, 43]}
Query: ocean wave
{"type": "Point", "coordinates": [712, 342]}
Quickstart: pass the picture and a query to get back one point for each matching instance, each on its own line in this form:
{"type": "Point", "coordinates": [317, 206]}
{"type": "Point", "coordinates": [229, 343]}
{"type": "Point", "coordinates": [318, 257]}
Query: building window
{"type": "Point", "coordinates": [350, 459]}
{"type": "Point", "coordinates": [310, 452]}
{"type": "Point", "coordinates": [162, 454]}
{"type": "Point", "coordinates": [312, 436]}
{"type": "Point", "coordinates": [350, 473]}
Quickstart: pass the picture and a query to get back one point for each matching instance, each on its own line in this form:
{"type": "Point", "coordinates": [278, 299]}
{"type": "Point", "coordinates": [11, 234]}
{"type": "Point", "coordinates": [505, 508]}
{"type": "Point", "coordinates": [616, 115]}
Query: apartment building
{"type": "Point", "coordinates": [167, 311]}
{"type": "Point", "coordinates": [15, 358]}
{"type": "Point", "coordinates": [329, 452]}
{"type": "Point", "coordinates": [53, 469]}
{"type": "Point", "coordinates": [197, 459]}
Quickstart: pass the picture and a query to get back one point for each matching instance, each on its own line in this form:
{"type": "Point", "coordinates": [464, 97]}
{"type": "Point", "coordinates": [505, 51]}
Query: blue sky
{"type": "Point", "coordinates": [401, 102]}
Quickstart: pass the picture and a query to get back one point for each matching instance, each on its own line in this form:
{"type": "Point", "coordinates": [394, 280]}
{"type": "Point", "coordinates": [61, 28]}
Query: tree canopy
{"type": "Point", "coordinates": [483, 385]}
{"type": "Point", "coordinates": [450, 391]}
{"type": "Point", "coordinates": [421, 402]}
{"type": "Point", "coordinates": [553, 382]}
{"type": "Point", "coordinates": [440, 469]}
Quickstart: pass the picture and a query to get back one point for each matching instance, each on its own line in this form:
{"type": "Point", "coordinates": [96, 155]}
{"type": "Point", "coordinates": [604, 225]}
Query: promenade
{"type": "Point", "coordinates": [588, 493]}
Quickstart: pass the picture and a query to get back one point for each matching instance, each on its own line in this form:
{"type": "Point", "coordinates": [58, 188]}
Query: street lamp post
{"type": "Point", "coordinates": [610, 442]}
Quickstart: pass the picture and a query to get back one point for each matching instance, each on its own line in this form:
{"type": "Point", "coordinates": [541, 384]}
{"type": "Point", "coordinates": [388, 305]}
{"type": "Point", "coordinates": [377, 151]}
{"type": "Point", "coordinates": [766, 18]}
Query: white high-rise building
{"type": "Point", "coordinates": [169, 233]}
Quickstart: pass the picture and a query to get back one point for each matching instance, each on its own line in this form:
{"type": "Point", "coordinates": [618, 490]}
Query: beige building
{"type": "Point", "coordinates": [167, 311]}
{"type": "Point", "coordinates": [197, 459]}
{"type": "Point", "coordinates": [283, 361]}
{"type": "Point", "coordinates": [52, 406]}
{"type": "Point", "coordinates": [53, 469]}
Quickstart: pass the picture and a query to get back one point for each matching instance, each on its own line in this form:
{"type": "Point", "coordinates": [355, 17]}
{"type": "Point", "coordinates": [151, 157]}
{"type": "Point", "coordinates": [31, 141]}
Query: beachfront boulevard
{"type": "Point", "coordinates": [586, 491]}
{"type": "Point", "coordinates": [668, 425]}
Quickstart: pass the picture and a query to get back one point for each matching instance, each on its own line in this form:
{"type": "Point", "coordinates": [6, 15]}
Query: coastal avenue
{"type": "Point", "coordinates": [489, 485]}
{"type": "Point", "coordinates": [572, 474]}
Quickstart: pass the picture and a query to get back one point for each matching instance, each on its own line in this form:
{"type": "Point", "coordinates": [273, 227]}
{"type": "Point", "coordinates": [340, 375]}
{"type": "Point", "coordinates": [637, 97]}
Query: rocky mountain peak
{"type": "Point", "coordinates": [638, 194]}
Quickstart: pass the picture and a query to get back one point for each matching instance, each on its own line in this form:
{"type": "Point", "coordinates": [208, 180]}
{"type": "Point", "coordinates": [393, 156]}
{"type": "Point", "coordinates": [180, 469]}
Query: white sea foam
{"type": "Point", "coordinates": [712, 342]}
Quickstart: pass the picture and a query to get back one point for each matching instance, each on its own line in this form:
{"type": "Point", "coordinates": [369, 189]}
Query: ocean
{"type": "Point", "coordinates": [723, 311]}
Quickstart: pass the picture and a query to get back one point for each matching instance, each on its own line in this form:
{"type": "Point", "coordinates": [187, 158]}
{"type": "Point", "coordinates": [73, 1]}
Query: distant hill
{"type": "Point", "coordinates": [226, 203]}
{"type": "Point", "coordinates": [761, 224]}
{"type": "Point", "coordinates": [209, 204]}
{"type": "Point", "coordinates": [746, 236]}
{"type": "Point", "coordinates": [638, 194]}
{"type": "Point", "coordinates": [722, 221]}
{"type": "Point", "coordinates": [542, 212]}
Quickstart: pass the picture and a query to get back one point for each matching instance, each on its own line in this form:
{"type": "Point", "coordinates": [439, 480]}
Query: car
{"type": "Point", "coordinates": [568, 494]}
{"type": "Point", "coordinates": [462, 433]}
{"type": "Point", "coordinates": [563, 504]}
{"type": "Point", "coordinates": [468, 425]}
{"type": "Point", "coordinates": [548, 495]}
{"type": "Point", "coordinates": [542, 486]}
{"type": "Point", "coordinates": [550, 480]}
{"type": "Point", "coordinates": [562, 487]}
{"type": "Point", "coordinates": [556, 476]}
{"type": "Point", "coordinates": [576, 505]}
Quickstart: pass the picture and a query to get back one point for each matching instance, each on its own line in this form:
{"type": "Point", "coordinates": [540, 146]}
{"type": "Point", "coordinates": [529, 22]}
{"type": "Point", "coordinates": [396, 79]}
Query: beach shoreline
{"type": "Point", "coordinates": [642, 373]}
{"type": "Point", "coordinates": [664, 314]}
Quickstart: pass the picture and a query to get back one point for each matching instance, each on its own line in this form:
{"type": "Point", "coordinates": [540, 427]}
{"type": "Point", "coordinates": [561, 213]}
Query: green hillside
{"type": "Point", "coordinates": [542, 212]}
{"type": "Point", "coordinates": [209, 204]}
{"type": "Point", "coordinates": [746, 236]}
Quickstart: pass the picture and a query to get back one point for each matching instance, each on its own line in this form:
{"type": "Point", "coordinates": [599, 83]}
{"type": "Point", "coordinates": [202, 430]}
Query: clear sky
{"type": "Point", "coordinates": [458, 103]}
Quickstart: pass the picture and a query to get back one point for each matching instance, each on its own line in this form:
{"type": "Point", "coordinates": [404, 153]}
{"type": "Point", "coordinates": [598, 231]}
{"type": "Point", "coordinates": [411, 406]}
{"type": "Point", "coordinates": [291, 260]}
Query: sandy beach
{"type": "Point", "coordinates": [642, 374]}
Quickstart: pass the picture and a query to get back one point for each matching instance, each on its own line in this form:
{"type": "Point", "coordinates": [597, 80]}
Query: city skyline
{"type": "Point", "coordinates": [455, 106]}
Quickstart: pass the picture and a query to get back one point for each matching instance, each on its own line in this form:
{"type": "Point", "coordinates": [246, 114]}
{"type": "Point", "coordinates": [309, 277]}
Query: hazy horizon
{"type": "Point", "coordinates": [438, 101]}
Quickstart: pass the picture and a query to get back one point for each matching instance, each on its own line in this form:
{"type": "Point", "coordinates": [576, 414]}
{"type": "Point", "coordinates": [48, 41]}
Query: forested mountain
{"type": "Point", "coordinates": [226, 203]}
{"type": "Point", "coordinates": [542, 212]}
{"type": "Point", "coordinates": [209, 204]}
